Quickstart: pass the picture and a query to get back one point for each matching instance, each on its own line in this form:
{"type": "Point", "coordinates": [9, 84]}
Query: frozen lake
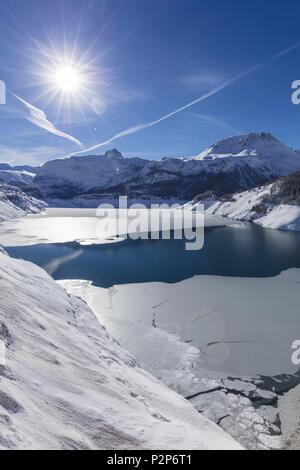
{"type": "Point", "coordinates": [229, 300]}
{"type": "Point", "coordinates": [242, 250]}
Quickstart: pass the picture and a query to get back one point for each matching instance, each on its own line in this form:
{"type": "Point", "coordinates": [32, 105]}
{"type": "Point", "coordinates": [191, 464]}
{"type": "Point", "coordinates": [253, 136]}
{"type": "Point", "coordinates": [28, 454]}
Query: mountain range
{"type": "Point", "coordinates": [232, 165]}
{"type": "Point", "coordinates": [251, 177]}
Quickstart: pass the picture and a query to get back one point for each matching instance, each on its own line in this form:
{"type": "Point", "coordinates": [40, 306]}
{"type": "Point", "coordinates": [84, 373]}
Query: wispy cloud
{"type": "Point", "coordinates": [30, 156]}
{"type": "Point", "coordinates": [218, 89]}
{"type": "Point", "coordinates": [202, 79]}
{"type": "Point", "coordinates": [38, 118]}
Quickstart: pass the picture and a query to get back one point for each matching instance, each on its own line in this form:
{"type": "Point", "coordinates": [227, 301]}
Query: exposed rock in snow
{"type": "Point", "coordinates": [66, 384]}
{"type": "Point", "coordinates": [15, 203]}
{"type": "Point", "coordinates": [235, 164]}
{"type": "Point", "coordinates": [276, 205]}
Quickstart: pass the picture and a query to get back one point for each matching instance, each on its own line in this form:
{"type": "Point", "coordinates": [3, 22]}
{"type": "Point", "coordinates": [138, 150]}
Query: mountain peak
{"type": "Point", "coordinates": [258, 137]}
{"type": "Point", "coordinates": [114, 153]}
{"type": "Point", "coordinates": [251, 140]}
{"type": "Point", "coordinates": [247, 144]}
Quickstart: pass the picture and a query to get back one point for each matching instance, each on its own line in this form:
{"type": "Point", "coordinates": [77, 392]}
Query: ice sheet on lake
{"type": "Point", "coordinates": [242, 326]}
{"type": "Point", "coordinates": [196, 333]}
{"type": "Point", "coordinates": [65, 226]}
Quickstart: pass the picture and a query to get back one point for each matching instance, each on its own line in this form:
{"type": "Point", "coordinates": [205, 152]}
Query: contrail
{"type": "Point", "coordinates": [231, 81]}
{"type": "Point", "coordinates": [38, 118]}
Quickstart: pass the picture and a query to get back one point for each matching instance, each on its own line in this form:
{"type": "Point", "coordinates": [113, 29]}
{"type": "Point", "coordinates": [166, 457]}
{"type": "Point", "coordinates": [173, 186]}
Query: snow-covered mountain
{"type": "Point", "coordinates": [15, 203]}
{"type": "Point", "coordinates": [65, 383]}
{"type": "Point", "coordinates": [235, 164]}
{"type": "Point", "coordinates": [70, 177]}
{"type": "Point", "coordinates": [263, 147]}
{"type": "Point", "coordinates": [19, 178]}
{"type": "Point", "coordinates": [275, 205]}
{"type": "Point", "coordinates": [28, 168]}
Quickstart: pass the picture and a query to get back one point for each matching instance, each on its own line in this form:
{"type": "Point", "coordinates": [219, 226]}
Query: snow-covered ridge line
{"type": "Point", "coordinates": [276, 205]}
{"type": "Point", "coordinates": [18, 178]}
{"type": "Point", "coordinates": [235, 164]}
{"type": "Point", "coordinates": [15, 203]}
{"type": "Point", "coordinates": [66, 384]}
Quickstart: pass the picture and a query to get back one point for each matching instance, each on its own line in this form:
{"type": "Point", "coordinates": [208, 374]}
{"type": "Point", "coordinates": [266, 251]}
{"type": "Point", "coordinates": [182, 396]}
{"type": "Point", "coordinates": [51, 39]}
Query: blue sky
{"type": "Point", "coordinates": [140, 60]}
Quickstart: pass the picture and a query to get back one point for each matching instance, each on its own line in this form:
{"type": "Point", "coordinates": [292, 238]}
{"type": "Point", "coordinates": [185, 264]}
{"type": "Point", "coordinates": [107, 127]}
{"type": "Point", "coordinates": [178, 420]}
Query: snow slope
{"type": "Point", "coordinates": [290, 419]}
{"type": "Point", "coordinates": [66, 384]}
{"type": "Point", "coordinates": [15, 203]}
{"type": "Point", "coordinates": [275, 206]}
{"type": "Point", "coordinates": [72, 176]}
{"type": "Point", "coordinates": [235, 164]}
{"type": "Point", "coordinates": [16, 178]}
{"type": "Point", "coordinates": [264, 147]}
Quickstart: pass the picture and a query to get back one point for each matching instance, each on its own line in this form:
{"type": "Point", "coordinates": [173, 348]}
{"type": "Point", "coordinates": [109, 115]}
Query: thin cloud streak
{"type": "Point", "coordinates": [38, 118]}
{"type": "Point", "coordinates": [34, 156]}
{"type": "Point", "coordinates": [226, 84]}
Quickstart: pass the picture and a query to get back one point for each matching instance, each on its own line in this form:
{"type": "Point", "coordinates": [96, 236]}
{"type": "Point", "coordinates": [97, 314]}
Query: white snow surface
{"type": "Point", "coordinates": [14, 203]}
{"type": "Point", "coordinates": [16, 177]}
{"type": "Point", "coordinates": [290, 419]}
{"type": "Point", "coordinates": [66, 225]}
{"type": "Point", "coordinates": [195, 334]}
{"type": "Point", "coordinates": [249, 159]}
{"type": "Point", "coordinates": [65, 383]}
{"type": "Point", "coordinates": [282, 217]}
{"type": "Point", "coordinates": [243, 207]}
{"type": "Point", "coordinates": [263, 146]}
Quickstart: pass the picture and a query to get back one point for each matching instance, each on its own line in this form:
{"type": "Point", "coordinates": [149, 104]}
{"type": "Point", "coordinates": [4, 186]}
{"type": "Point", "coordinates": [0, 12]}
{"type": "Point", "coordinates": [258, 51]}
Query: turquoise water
{"type": "Point", "coordinates": [244, 250]}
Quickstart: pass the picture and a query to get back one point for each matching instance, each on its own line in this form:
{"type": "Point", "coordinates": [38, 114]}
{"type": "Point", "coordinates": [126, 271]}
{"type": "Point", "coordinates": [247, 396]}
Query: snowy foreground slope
{"type": "Point", "coordinates": [290, 418]}
{"type": "Point", "coordinates": [15, 203]}
{"type": "Point", "coordinates": [65, 383]}
{"type": "Point", "coordinates": [276, 205]}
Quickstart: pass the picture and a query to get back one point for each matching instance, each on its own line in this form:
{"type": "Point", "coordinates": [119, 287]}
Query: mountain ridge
{"type": "Point", "coordinates": [245, 162]}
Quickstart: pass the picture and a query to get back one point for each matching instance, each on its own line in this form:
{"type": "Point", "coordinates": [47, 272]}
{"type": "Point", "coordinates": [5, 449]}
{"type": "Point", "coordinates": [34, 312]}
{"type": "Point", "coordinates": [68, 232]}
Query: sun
{"type": "Point", "coordinates": [68, 79]}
